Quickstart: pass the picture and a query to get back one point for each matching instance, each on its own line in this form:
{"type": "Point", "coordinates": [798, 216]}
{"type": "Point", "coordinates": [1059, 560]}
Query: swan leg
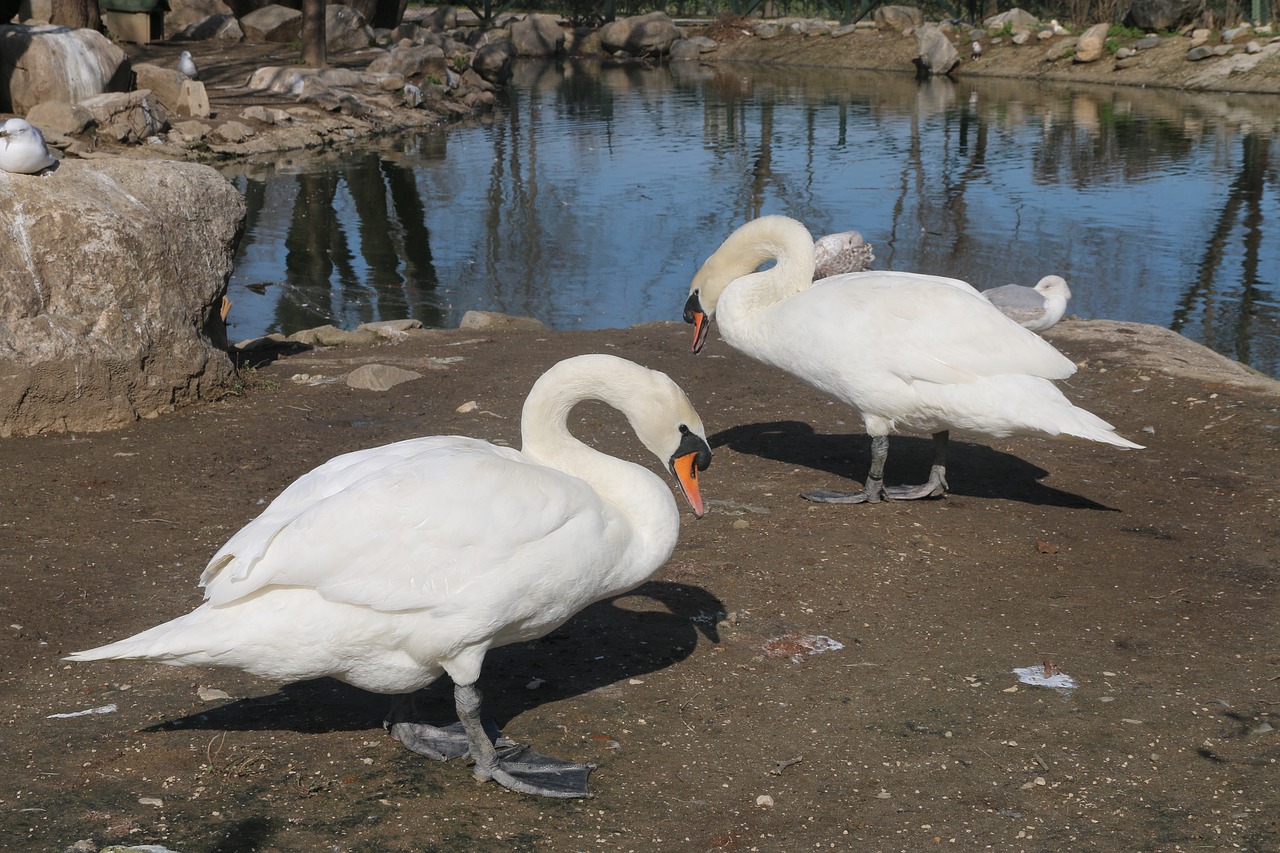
{"type": "Point", "coordinates": [439, 743]}
{"type": "Point", "coordinates": [517, 767]}
{"type": "Point", "coordinates": [936, 485]}
{"type": "Point", "coordinates": [872, 492]}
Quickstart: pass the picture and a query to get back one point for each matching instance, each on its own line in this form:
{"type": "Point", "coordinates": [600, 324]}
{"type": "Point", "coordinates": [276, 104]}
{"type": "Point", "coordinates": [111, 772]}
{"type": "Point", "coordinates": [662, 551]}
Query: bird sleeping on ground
{"type": "Point", "coordinates": [909, 351]}
{"type": "Point", "coordinates": [844, 251]}
{"type": "Point", "coordinates": [187, 65]}
{"type": "Point", "coordinates": [1035, 308]}
{"type": "Point", "coordinates": [387, 568]}
{"type": "Point", "coordinates": [22, 148]}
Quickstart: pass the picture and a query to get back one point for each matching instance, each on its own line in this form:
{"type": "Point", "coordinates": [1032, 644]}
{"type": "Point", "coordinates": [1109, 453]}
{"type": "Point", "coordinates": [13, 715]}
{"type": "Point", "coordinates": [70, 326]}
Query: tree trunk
{"type": "Point", "coordinates": [314, 50]}
{"type": "Point", "coordinates": [76, 13]}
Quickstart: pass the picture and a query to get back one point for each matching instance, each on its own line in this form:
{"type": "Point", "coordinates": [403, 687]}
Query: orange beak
{"type": "Point", "coordinates": [686, 470]}
{"type": "Point", "coordinates": [694, 314]}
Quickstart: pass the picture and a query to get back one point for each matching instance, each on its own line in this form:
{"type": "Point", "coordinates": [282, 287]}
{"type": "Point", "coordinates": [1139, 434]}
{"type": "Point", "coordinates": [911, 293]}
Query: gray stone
{"type": "Point", "coordinates": [1236, 33]}
{"type": "Point", "coordinates": [110, 301]}
{"type": "Point", "coordinates": [1125, 52]}
{"type": "Point", "coordinates": [175, 91]}
{"type": "Point", "coordinates": [127, 117]}
{"type": "Point", "coordinates": [332, 336]}
{"type": "Point", "coordinates": [1019, 21]}
{"type": "Point", "coordinates": [537, 35]}
{"type": "Point", "coordinates": [232, 131]}
{"type": "Point", "coordinates": [186, 16]}
{"type": "Point", "coordinates": [495, 321]}
{"type": "Point", "coordinates": [188, 131]}
{"type": "Point", "coordinates": [1022, 37]}
{"type": "Point", "coordinates": [1252, 47]}
{"type": "Point", "coordinates": [266, 115]}
{"type": "Point", "coordinates": [33, 62]}
{"type": "Point", "coordinates": [1163, 15]}
{"type": "Point", "coordinates": [210, 27]}
{"type": "Point", "coordinates": [1147, 42]}
{"type": "Point", "coordinates": [277, 24]}
{"type": "Point", "coordinates": [900, 18]}
{"type": "Point", "coordinates": [935, 54]}
{"type": "Point", "coordinates": [1092, 44]}
{"type": "Point", "coordinates": [684, 50]}
{"type": "Point", "coordinates": [640, 35]}
{"type": "Point", "coordinates": [345, 29]}
{"type": "Point", "coordinates": [1198, 53]}
{"type": "Point", "coordinates": [60, 117]}
{"type": "Point", "coordinates": [410, 61]}
{"type": "Point", "coordinates": [379, 377]}
{"type": "Point", "coordinates": [1222, 49]}
{"type": "Point", "coordinates": [493, 62]}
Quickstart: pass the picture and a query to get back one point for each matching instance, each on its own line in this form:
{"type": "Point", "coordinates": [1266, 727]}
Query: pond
{"type": "Point", "coordinates": [590, 198]}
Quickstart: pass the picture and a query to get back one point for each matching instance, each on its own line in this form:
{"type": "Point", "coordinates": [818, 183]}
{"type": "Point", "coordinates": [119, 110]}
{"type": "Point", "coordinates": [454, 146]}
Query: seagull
{"type": "Point", "coordinates": [1035, 308]}
{"type": "Point", "coordinates": [913, 352]}
{"type": "Point", "coordinates": [977, 49]}
{"type": "Point", "coordinates": [187, 65]}
{"type": "Point", "coordinates": [842, 252]}
{"type": "Point", "coordinates": [22, 148]}
{"type": "Point", "coordinates": [390, 567]}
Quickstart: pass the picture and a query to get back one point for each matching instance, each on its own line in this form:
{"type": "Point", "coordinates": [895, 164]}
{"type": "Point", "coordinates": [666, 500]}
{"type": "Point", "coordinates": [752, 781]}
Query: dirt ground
{"type": "Point", "coordinates": [1149, 577]}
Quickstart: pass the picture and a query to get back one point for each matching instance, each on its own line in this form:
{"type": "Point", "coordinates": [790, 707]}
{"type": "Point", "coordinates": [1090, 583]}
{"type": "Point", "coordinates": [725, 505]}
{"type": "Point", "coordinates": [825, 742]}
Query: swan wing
{"type": "Point", "coordinates": [417, 528]}
{"type": "Point", "coordinates": [921, 329]}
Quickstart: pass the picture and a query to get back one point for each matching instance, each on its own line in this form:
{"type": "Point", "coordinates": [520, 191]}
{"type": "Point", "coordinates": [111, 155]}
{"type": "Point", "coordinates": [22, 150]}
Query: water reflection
{"type": "Point", "coordinates": [589, 201]}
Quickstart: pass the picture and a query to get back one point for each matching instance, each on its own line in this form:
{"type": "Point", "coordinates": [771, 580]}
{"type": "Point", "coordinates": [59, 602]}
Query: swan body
{"type": "Point", "coordinates": [187, 65]}
{"type": "Point", "coordinates": [1035, 308]}
{"type": "Point", "coordinates": [841, 252]}
{"type": "Point", "coordinates": [909, 351]}
{"type": "Point", "coordinates": [23, 149]}
{"type": "Point", "coordinates": [388, 567]}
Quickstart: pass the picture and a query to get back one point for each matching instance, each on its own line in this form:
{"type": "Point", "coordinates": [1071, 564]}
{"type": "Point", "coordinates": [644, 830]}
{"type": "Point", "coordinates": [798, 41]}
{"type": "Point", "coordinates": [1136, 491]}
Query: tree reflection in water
{"type": "Point", "coordinates": [594, 193]}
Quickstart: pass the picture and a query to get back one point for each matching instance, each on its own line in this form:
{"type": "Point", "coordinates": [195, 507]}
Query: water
{"type": "Point", "coordinates": [590, 199]}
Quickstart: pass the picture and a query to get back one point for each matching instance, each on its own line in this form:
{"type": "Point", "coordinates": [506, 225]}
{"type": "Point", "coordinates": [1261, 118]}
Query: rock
{"type": "Point", "coordinates": [1019, 21]}
{"type": "Point", "coordinates": [495, 321]}
{"type": "Point", "coordinates": [186, 16]}
{"type": "Point", "coordinates": [379, 377]}
{"type": "Point", "coordinates": [900, 18]}
{"type": "Point", "coordinates": [493, 62]}
{"type": "Point", "coordinates": [442, 18]}
{"type": "Point", "coordinates": [345, 29]}
{"type": "Point", "coordinates": [109, 313]}
{"type": "Point", "coordinates": [266, 115]}
{"type": "Point", "coordinates": [684, 50]}
{"type": "Point", "coordinates": [189, 131]}
{"type": "Point", "coordinates": [332, 336]}
{"type": "Point", "coordinates": [33, 61]}
{"type": "Point", "coordinates": [1147, 42]}
{"type": "Point", "coordinates": [1252, 47]}
{"type": "Point", "coordinates": [1091, 44]}
{"type": "Point", "coordinates": [410, 61]}
{"type": "Point", "coordinates": [1198, 53]}
{"type": "Point", "coordinates": [1222, 49]}
{"type": "Point", "coordinates": [935, 54]}
{"type": "Point", "coordinates": [1125, 53]}
{"type": "Point", "coordinates": [538, 35]}
{"type": "Point", "coordinates": [1200, 35]}
{"type": "Point", "coordinates": [1125, 62]}
{"type": "Point", "coordinates": [276, 24]}
{"type": "Point", "coordinates": [1022, 37]}
{"type": "Point", "coordinates": [59, 117]}
{"type": "Point", "coordinates": [640, 35]}
{"type": "Point", "coordinates": [1236, 33]}
{"type": "Point", "coordinates": [1163, 15]}
{"type": "Point", "coordinates": [127, 117]}
{"type": "Point", "coordinates": [176, 92]}
{"type": "Point", "coordinates": [233, 132]}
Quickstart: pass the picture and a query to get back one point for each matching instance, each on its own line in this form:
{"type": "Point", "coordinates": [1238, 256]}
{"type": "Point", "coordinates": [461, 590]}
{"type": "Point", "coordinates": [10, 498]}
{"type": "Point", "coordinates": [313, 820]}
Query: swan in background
{"type": "Point", "coordinates": [22, 148]}
{"type": "Point", "coordinates": [842, 252]}
{"type": "Point", "coordinates": [187, 65]}
{"type": "Point", "coordinates": [910, 352]}
{"type": "Point", "coordinates": [386, 568]}
{"type": "Point", "coordinates": [1035, 308]}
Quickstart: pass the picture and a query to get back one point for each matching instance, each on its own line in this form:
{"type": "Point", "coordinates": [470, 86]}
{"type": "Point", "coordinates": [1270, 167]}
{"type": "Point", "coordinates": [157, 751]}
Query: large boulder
{"type": "Point", "coordinates": [538, 35]}
{"type": "Point", "coordinates": [127, 117]}
{"type": "Point", "coordinates": [935, 54]}
{"type": "Point", "coordinates": [900, 18]}
{"type": "Point", "coordinates": [112, 278]}
{"type": "Point", "coordinates": [44, 63]}
{"type": "Point", "coordinates": [186, 16]}
{"type": "Point", "coordinates": [640, 35]}
{"type": "Point", "coordinates": [1092, 44]}
{"type": "Point", "coordinates": [1163, 15]}
{"type": "Point", "coordinates": [493, 62]}
{"type": "Point", "coordinates": [1018, 21]}
{"type": "Point", "coordinates": [411, 61]}
{"type": "Point", "coordinates": [178, 94]}
{"type": "Point", "coordinates": [274, 23]}
{"type": "Point", "coordinates": [345, 28]}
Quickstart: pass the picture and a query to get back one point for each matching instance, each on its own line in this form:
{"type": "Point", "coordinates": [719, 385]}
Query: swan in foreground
{"type": "Point", "coordinates": [386, 568]}
{"type": "Point", "coordinates": [23, 149]}
{"type": "Point", "coordinates": [908, 351]}
{"type": "Point", "coordinates": [844, 251]}
{"type": "Point", "coordinates": [1035, 308]}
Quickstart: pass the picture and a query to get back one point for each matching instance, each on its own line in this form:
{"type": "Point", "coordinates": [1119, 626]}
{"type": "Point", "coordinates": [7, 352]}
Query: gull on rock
{"type": "Point", "coordinates": [187, 65]}
{"type": "Point", "coordinates": [1035, 308]}
{"type": "Point", "coordinates": [910, 352]}
{"type": "Point", "coordinates": [977, 49]}
{"type": "Point", "coordinates": [389, 567]}
{"type": "Point", "coordinates": [22, 148]}
{"type": "Point", "coordinates": [844, 251]}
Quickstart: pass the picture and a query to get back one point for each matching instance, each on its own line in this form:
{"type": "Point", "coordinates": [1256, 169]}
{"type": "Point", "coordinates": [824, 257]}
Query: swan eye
{"type": "Point", "coordinates": [684, 430]}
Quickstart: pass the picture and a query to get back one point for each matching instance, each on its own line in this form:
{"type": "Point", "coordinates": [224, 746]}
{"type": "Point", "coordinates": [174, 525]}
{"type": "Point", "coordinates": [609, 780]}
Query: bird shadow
{"type": "Point", "coordinates": [603, 644]}
{"type": "Point", "coordinates": [973, 470]}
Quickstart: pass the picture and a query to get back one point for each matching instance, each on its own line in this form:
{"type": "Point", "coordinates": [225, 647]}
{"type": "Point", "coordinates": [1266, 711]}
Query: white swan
{"type": "Point", "coordinates": [912, 352]}
{"type": "Point", "coordinates": [841, 252]}
{"type": "Point", "coordinates": [387, 567]}
{"type": "Point", "coordinates": [23, 149]}
{"type": "Point", "coordinates": [1035, 308]}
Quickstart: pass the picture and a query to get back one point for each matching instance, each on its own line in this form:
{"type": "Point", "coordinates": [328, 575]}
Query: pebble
{"type": "Point", "coordinates": [764, 801]}
{"type": "Point", "coordinates": [467, 407]}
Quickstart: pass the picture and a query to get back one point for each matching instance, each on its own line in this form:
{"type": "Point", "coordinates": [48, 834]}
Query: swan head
{"type": "Point", "coordinates": [1053, 285]}
{"type": "Point", "coordinates": [667, 424]}
{"type": "Point", "coordinates": [768, 238]}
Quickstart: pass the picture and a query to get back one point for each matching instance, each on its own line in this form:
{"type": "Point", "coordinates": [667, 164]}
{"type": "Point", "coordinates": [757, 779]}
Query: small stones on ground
{"type": "Point", "coordinates": [467, 407]}
{"type": "Point", "coordinates": [764, 801]}
{"type": "Point", "coordinates": [211, 694]}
